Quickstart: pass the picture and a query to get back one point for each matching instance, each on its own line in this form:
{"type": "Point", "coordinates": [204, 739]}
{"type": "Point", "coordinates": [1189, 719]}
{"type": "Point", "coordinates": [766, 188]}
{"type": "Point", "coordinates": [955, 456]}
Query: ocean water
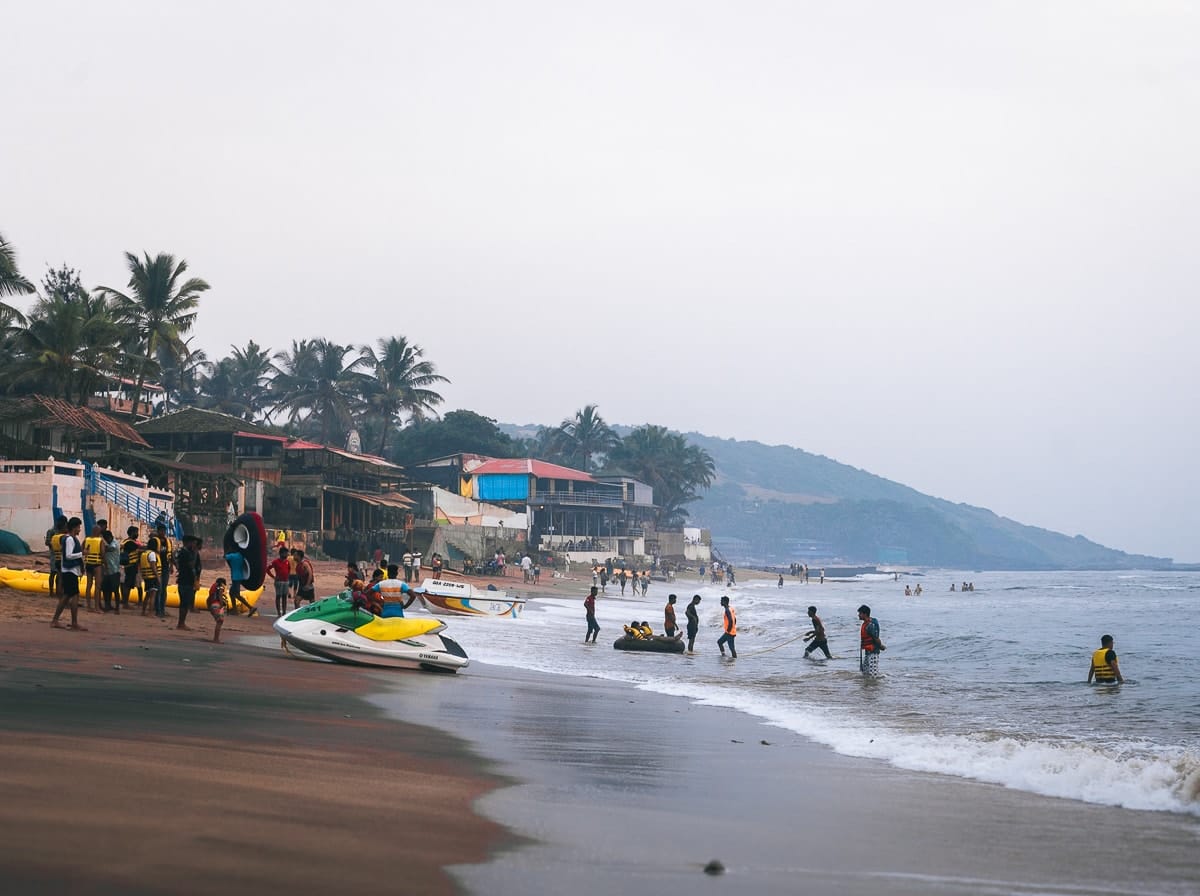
{"type": "Point", "coordinates": [988, 684]}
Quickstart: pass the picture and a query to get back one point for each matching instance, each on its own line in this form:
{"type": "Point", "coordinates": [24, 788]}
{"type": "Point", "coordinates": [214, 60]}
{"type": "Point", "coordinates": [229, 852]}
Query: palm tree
{"type": "Point", "coordinates": [666, 462]}
{"type": "Point", "coordinates": [314, 381]}
{"type": "Point", "coordinates": [587, 436]}
{"type": "Point", "coordinates": [68, 347]}
{"type": "Point", "coordinates": [179, 374]}
{"type": "Point", "coordinates": [240, 383]}
{"type": "Point", "coordinates": [159, 307]}
{"type": "Point", "coordinates": [400, 383]}
{"type": "Point", "coordinates": [11, 281]}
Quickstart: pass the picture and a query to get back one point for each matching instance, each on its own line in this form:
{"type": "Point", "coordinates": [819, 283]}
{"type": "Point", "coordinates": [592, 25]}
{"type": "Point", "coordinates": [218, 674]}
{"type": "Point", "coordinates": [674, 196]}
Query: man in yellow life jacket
{"type": "Point", "coordinates": [1104, 668]}
{"type": "Point", "coordinates": [54, 541]}
{"type": "Point", "coordinates": [93, 548]}
{"type": "Point", "coordinates": [131, 561]}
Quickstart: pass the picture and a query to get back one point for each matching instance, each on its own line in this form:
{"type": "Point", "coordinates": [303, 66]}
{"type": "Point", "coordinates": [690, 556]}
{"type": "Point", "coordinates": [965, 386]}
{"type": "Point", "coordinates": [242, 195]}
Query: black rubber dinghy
{"type": "Point", "coordinates": [657, 644]}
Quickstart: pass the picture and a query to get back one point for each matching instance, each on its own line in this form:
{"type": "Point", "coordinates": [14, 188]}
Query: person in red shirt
{"type": "Point", "coordinates": [280, 571]}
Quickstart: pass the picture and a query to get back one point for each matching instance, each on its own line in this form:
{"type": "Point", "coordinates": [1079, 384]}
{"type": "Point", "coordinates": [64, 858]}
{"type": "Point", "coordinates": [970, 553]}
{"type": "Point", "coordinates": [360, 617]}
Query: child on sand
{"type": "Point", "coordinates": [216, 606]}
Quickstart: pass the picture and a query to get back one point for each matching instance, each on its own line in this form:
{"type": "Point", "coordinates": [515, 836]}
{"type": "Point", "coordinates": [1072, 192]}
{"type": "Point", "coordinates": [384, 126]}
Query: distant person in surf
{"type": "Point", "coordinates": [729, 624]}
{"type": "Point", "coordinates": [669, 626]}
{"type": "Point", "coordinates": [1104, 668]}
{"type": "Point", "coordinates": [816, 638]}
{"type": "Point", "coordinates": [693, 621]}
{"type": "Point", "coordinates": [869, 644]}
{"type": "Point", "coordinates": [589, 607]}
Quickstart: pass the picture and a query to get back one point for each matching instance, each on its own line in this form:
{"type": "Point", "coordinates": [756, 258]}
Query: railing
{"type": "Point", "coordinates": [136, 506]}
{"type": "Point", "coordinates": [568, 499]}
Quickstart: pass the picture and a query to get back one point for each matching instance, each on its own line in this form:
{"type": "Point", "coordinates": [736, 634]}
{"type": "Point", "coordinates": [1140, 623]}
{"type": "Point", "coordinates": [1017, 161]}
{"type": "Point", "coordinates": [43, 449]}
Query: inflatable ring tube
{"type": "Point", "coordinates": [247, 536]}
{"type": "Point", "coordinates": [657, 644]}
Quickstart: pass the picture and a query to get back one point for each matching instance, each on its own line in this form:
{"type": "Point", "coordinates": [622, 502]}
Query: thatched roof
{"type": "Point", "coordinates": [197, 420]}
{"type": "Point", "coordinates": [54, 413]}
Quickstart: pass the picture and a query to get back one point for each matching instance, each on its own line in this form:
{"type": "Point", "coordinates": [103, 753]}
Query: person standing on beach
{"type": "Point", "coordinates": [110, 567]}
{"type": "Point", "coordinates": [869, 644]}
{"type": "Point", "coordinates": [93, 549]}
{"type": "Point", "coordinates": [693, 621]}
{"type": "Point", "coordinates": [72, 569]}
{"type": "Point", "coordinates": [669, 627]}
{"type": "Point", "coordinates": [281, 571]}
{"type": "Point", "coordinates": [187, 580]}
{"type": "Point", "coordinates": [148, 566]}
{"type": "Point", "coordinates": [131, 559]}
{"type": "Point", "coordinates": [54, 540]}
{"type": "Point", "coordinates": [307, 587]}
{"type": "Point", "coordinates": [816, 638]}
{"type": "Point", "coordinates": [729, 624]}
{"type": "Point", "coordinates": [589, 607]}
{"type": "Point", "coordinates": [1104, 668]}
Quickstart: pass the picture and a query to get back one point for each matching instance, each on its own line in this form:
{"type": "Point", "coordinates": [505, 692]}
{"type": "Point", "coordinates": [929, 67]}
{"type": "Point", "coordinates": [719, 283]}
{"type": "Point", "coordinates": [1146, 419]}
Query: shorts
{"type": "Point", "coordinates": [131, 576]}
{"type": "Point", "coordinates": [70, 583]}
{"type": "Point", "coordinates": [150, 584]}
{"type": "Point", "coordinates": [93, 570]}
{"type": "Point", "coordinates": [308, 594]}
{"type": "Point", "coordinates": [294, 583]}
{"type": "Point", "coordinates": [216, 606]}
{"type": "Point", "coordinates": [281, 588]}
{"type": "Point", "coordinates": [55, 564]}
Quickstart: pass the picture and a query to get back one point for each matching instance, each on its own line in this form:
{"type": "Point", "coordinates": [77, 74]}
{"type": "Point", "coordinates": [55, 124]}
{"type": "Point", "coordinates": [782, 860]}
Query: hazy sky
{"type": "Point", "coordinates": [955, 244]}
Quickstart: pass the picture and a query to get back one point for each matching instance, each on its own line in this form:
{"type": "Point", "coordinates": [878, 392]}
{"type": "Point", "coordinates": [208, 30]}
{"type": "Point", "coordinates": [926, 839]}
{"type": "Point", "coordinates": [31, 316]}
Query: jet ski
{"type": "Point", "coordinates": [339, 629]}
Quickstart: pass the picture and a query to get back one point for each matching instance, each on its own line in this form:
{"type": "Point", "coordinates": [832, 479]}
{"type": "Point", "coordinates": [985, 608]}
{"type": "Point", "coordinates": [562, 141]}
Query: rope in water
{"type": "Point", "coordinates": [769, 649]}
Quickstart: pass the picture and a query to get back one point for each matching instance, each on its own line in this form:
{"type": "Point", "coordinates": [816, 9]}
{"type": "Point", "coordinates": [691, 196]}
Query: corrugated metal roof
{"type": "Point", "coordinates": [44, 411]}
{"type": "Point", "coordinates": [527, 466]}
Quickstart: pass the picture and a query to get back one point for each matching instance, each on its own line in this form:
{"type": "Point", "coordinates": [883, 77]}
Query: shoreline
{"type": "Point", "coordinates": [626, 790]}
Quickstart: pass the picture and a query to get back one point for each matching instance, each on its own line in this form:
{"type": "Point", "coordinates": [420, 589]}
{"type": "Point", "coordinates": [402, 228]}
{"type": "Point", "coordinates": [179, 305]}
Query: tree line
{"type": "Point", "coordinates": [73, 343]}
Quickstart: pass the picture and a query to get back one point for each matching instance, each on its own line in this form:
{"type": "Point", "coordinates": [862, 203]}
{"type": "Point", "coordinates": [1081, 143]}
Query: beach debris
{"type": "Point", "coordinates": [186, 660]}
{"type": "Point", "coordinates": [716, 866]}
{"type": "Point", "coordinates": [765, 743]}
{"type": "Point", "coordinates": [118, 667]}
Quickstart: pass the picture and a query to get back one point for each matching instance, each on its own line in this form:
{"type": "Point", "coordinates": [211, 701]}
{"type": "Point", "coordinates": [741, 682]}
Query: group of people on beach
{"type": "Point", "coordinates": [133, 574]}
{"type": "Point", "coordinates": [604, 573]}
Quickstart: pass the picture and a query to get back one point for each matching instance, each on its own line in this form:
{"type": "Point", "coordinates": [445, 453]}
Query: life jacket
{"type": "Point", "coordinates": [149, 570]}
{"type": "Point", "coordinates": [730, 621]}
{"type": "Point", "coordinates": [1104, 672]}
{"type": "Point", "coordinates": [646, 631]}
{"type": "Point", "coordinates": [92, 545]}
{"type": "Point", "coordinates": [865, 640]}
{"type": "Point", "coordinates": [56, 544]}
{"type": "Point", "coordinates": [166, 553]}
{"type": "Point", "coordinates": [634, 632]}
{"type": "Point", "coordinates": [132, 552]}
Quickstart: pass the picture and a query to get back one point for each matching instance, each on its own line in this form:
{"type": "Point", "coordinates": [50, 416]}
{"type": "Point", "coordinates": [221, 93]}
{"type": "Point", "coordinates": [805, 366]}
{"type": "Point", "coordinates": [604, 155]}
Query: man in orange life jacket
{"type": "Point", "coordinates": [730, 625]}
{"type": "Point", "coordinates": [1104, 667]}
{"type": "Point", "coordinates": [869, 644]}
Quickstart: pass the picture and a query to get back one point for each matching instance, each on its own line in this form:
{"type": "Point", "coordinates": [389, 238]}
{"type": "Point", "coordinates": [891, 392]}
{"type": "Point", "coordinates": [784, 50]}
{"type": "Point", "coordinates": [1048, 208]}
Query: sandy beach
{"type": "Point", "coordinates": [233, 768]}
{"type": "Point", "coordinates": [135, 758]}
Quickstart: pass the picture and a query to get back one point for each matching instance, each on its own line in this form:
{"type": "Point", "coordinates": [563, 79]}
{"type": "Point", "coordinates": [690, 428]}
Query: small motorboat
{"type": "Point", "coordinates": [443, 597]}
{"type": "Point", "coordinates": [338, 629]}
{"type": "Point", "coordinates": [651, 644]}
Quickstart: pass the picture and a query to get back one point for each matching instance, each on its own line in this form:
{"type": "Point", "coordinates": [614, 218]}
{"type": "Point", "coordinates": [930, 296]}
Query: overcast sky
{"type": "Point", "coordinates": [955, 244]}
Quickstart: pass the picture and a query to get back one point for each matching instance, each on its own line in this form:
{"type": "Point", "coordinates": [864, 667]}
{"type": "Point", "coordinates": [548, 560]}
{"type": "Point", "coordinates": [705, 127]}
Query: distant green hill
{"type": "Point", "coordinates": [778, 504]}
{"type": "Point", "coordinates": [775, 505]}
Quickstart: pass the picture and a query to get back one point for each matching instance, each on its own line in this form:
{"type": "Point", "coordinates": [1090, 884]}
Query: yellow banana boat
{"type": "Point", "coordinates": [39, 583]}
